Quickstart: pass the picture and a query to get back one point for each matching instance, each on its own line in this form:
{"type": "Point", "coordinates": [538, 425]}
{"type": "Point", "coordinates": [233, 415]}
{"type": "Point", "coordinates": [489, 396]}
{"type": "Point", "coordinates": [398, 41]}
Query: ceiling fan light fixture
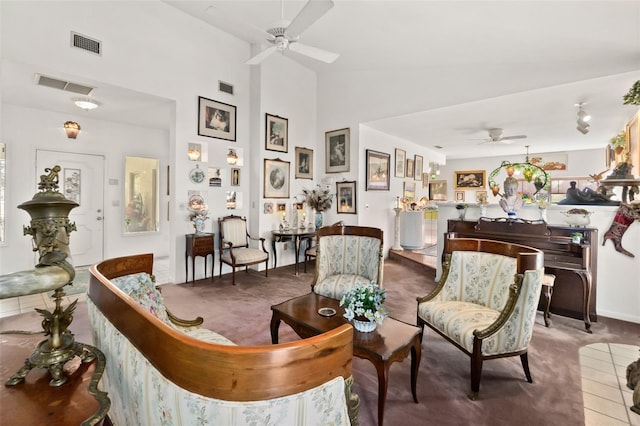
{"type": "Point", "coordinates": [86, 103]}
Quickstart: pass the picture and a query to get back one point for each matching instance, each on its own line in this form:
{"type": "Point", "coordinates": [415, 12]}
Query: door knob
{"type": "Point", "coordinates": [99, 218]}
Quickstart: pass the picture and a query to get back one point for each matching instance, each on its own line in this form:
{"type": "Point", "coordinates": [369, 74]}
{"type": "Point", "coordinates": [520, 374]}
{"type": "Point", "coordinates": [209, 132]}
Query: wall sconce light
{"type": "Point", "coordinates": [232, 157]}
{"type": "Point", "coordinates": [583, 119]}
{"type": "Point", "coordinates": [72, 128]}
{"type": "Point", "coordinates": [194, 152]}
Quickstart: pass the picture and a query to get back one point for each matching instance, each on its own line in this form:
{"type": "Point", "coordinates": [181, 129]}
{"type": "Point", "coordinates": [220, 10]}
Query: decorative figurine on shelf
{"type": "Point", "coordinates": [510, 201]}
{"type": "Point", "coordinates": [586, 196]}
{"type": "Point", "coordinates": [199, 212]}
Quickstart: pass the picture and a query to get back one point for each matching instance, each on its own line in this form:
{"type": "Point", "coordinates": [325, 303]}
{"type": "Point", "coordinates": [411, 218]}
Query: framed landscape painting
{"type": "Point", "coordinates": [216, 119]}
{"type": "Point", "coordinates": [276, 133]}
{"type": "Point", "coordinates": [377, 171]}
{"type": "Point", "coordinates": [337, 146]}
{"type": "Point", "coordinates": [276, 178]}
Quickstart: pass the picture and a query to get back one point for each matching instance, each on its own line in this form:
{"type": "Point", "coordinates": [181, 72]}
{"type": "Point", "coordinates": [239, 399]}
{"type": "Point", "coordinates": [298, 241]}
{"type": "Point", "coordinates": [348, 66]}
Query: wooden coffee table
{"type": "Point", "coordinates": [392, 341]}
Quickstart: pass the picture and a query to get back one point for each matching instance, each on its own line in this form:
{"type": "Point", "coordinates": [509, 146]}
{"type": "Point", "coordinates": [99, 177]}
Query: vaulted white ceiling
{"type": "Point", "coordinates": [442, 72]}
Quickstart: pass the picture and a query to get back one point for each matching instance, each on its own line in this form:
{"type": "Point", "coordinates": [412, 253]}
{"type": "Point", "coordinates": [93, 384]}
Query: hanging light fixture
{"type": "Point", "coordinates": [583, 119]}
{"type": "Point", "coordinates": [72, 129]}
{"type": "Point", "coordinates": [86, 103]}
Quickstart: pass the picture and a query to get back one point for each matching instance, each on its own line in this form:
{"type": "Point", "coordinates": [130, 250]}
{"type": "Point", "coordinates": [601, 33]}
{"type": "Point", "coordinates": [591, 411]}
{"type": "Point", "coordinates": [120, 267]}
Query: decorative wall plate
{"type": "Point", "coordinates": [197, 175]}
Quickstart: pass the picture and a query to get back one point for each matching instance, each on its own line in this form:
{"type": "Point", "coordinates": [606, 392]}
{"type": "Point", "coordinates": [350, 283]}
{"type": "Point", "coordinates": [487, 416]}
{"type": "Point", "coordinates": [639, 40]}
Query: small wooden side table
{"type": "Point", "coordinates": [198, 245]}
{"type": "Point", "coordinates": [34, 402]}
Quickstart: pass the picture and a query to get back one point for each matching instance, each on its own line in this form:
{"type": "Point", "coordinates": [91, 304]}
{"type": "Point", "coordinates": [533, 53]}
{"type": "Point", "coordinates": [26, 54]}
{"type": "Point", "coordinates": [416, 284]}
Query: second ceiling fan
{"type": "Point", "coordinates": [496, 135]}
{"type": "Point", "coordinates": [284, 35]}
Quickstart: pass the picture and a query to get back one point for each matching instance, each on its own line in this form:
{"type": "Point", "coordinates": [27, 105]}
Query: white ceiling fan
{"type": "Point", "coordinates": [496, 136]}
{"type": "Point", "coordinates": [284, 35]}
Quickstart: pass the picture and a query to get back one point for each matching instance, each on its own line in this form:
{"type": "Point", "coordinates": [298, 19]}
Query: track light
{"type": "Point", "coordinates": [583, 118]}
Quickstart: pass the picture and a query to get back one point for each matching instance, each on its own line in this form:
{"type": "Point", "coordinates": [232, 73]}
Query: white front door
{"type": "Point", "coordinates": [81, 180]}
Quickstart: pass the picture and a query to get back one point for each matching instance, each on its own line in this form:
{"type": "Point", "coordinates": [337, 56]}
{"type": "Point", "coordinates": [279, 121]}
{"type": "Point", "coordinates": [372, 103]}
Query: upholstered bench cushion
{"type": "Point", "coordinates": [246, 255]}
{"type": "Point", "coordinates": [335, 286]}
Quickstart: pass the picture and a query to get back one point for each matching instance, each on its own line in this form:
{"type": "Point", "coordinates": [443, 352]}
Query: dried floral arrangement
{"type": "Point", "coordinates": [319, 199]}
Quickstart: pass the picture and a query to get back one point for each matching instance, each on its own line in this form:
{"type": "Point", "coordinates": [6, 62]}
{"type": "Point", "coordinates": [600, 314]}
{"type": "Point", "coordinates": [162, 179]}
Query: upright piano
{"type": "Point", "coordinates": [574, 265]}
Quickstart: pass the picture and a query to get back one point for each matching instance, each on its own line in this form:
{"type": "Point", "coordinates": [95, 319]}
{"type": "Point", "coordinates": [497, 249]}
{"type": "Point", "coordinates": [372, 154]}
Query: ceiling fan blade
{"type": "Point", "coordinates": [314, 52]}
{"type": "Point", "coordinates": [256, 59]}
{"type": "Point", "coordinates": [515, 137]}
{"type": "Point", "coordinates": [310, 13]}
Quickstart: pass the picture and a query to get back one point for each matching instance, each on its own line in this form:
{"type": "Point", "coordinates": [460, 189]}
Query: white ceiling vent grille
{"type": "Point", "coordinates": [86, 43]}
{"type": "Point", "coordinates": [225, 87]}
{"type": "Point", "coordinates": [43, 80]}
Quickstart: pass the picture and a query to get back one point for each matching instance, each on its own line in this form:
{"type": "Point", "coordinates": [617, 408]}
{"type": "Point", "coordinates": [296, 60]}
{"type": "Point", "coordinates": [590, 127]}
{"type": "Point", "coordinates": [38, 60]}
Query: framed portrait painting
{"type": "Point", "coordinates": [401, 157]}
{"type": "Point", "coordinates": [276, 133]}
{"type": "Point", "coordinates": [346, 197]}
{"type": "Point", "coordinates": [410, 165]}
{"type": "Point", "coordinates": [304, 163]}
{"type": "Point", "coordinates": [216, 119]}
{"type": "Point", "coordinates": [459, 196]}
{"type": "Point", "coordinates": [276, 178]}
{"type": "Point", "coordinates": [377, 171]}
{"type": "Point", "coordinates": [469, 179]}
{"type": "Point", "coordinates": [338, 147]}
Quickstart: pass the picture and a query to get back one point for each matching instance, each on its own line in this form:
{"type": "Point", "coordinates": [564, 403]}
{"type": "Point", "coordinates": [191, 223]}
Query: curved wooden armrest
{"type": "Point", "coordinates": [505, 314]}
{"type": "Point", "coordinates": [183, 322]}
{"type": "Point", "coordinates": [443, 279]}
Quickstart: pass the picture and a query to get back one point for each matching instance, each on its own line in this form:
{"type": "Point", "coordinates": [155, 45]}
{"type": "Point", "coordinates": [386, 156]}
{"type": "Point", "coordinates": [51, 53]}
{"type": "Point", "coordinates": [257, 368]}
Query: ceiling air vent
{"type": "Point", "coordinates": [43, 80]}
{"type": "Point", "coordinates": [225, 87]}
{"type": "Point", "coordinates": [86, 43]}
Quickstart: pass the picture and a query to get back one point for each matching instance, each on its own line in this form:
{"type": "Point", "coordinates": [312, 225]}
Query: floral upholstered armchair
{"type": "Point", "coordinates": [346, 256]}
{"type": "Point", "coordinates": [486, 301]}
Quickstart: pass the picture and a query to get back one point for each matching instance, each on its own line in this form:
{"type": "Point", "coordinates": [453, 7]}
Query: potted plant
{"type": "Point", "coordinates": [364, 305]}
{"type": "Point", "coordinates": [633, 95]}
{"type": "Point", "coordinates": [320, 200]}
{"type": "Point", "coordinates": [576, 237]}
{"type": "Point", "coordinates": [462, 210]}
{"type": "Point", "coordinates": [618, 142]}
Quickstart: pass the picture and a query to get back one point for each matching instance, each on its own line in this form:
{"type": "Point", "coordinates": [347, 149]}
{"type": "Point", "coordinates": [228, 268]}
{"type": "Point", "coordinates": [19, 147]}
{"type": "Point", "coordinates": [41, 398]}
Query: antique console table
{"type": "Point", "coordinates": [198, 245]}
{"type": "Point", "coordinates": [294, 235]}
{"type": "Point", "coordinates": [574, 265]}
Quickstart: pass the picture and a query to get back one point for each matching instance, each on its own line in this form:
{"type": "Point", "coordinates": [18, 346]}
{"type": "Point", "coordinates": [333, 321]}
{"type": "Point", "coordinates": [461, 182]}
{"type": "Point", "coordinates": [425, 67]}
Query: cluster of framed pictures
{"type": "Point", "coordinates": [408, 167]}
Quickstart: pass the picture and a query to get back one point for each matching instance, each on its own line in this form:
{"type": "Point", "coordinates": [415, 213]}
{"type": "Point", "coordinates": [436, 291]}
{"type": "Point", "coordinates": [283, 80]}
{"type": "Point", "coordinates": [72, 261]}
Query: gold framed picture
{"type": "Point", "coordinates": [469, 179]}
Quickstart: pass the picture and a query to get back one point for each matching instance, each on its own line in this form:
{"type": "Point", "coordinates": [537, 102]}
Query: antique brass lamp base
{"type": "Point", "coordinates": [54, 352]}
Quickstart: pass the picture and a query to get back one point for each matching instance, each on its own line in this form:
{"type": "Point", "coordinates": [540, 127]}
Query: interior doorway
{"type": "Point", "coordinates": [81, 180]}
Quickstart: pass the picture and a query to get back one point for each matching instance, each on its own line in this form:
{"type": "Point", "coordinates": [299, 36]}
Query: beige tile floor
{"type": "Point", "coordinates": [605, 394]}
{"type": "Point", "coordinates": [17, 305]}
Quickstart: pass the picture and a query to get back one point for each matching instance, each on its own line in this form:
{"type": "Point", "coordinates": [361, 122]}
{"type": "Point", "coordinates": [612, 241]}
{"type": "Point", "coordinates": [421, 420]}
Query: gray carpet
{"type": "Point", "coordinates": [242, 313]}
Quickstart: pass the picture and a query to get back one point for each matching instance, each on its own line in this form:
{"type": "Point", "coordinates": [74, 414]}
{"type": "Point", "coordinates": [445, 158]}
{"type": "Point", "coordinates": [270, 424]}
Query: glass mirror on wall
{"type": "Point", "coordinates": [3, 162]}
{"type": "Point", "coordinates": [141, 195]}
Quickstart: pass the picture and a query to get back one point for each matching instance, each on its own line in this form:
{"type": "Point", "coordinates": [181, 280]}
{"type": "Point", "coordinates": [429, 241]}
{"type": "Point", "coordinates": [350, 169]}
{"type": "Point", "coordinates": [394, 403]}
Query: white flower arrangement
{"type": "Point", "coordinates": [365, 301]}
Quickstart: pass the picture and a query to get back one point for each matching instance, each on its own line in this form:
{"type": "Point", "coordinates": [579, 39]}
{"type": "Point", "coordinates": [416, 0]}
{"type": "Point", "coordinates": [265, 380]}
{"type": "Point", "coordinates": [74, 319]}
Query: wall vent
{"type": "Point", "coordinates": [86, 43]}
{"type": "Point", "coordinates": [225, 87]}
{"type": "Point", "coordinates": [43, 80]}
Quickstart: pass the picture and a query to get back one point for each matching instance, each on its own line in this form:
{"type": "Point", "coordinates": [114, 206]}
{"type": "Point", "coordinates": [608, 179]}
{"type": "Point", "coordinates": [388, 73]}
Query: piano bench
{"type": "Point", "coordinates": [547, 291]}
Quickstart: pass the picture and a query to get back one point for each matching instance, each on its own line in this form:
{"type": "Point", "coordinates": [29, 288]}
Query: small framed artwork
{"type": "Point", "coordinates": [417, 171]}
{"type": "Point", "coordinates": [276, 133]}
{"type": "Point", "coordinates": [235, 176]}
{"type": "Point", "coordinates": [377, 171]}
{"type": "Point", "coordinates": [469, 179]}
{"type": "Point", "coordinates": [459, 196]}
{"type": "Point", "coordinates": [337, 146]}
{"type": "Point", "coordinates": [481, 197]}
{"type": "Point", "coordinates": [438, 190]}
{"type": "Point", "coordinates": [346, 197]}
{"type": "Point", "coordinates": [268, 208]}
{"type": "Point", "coordinates": [425, 180]}
{"type": "Point", "coordinates": [409, 171]}
{"type": "Point", "coordinates": [282, 207]}
{"type": "Point", "coordinates": [276, 178]}
{"type": "Point", "coordinates": [409, 191]}
{"type": "Point", "coordinates": [401, 157]}
{"type": "Point", "coordinates": [299, 206]}
{"type": "Point", "coordinates": [304, 163]}
{"type": "Point", "coordinates": [215, 177]}
{"type": "Point", "coordinates": [216, 119]}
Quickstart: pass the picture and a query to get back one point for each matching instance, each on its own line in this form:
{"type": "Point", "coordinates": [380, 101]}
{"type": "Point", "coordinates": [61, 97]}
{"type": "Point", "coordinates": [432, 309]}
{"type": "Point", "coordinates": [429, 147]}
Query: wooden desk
{"type": "Point", "coordinates": [574, 265]}
{"type": "Point", "coordinates": [295, 235]}
{"type": "Point", "coordinates": [198, 245]}
{"type": "Point", "coordinates": [34, 402]}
